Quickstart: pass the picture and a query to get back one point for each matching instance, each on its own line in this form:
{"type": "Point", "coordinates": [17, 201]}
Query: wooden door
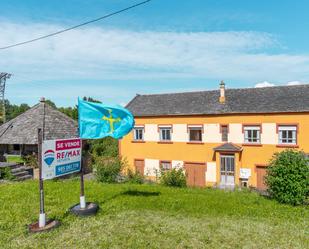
{"type": "Point", "coordinates": [139, 166]}
{"type": "Point", "coordinates": [260, 178]}
{"type": "Point", "coordinates": [195, 174]}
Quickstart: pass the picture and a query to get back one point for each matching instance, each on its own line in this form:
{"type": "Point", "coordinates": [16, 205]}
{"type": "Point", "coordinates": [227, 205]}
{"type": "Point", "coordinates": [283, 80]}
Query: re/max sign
{"type": "Point", "coordinates": [66, 154]}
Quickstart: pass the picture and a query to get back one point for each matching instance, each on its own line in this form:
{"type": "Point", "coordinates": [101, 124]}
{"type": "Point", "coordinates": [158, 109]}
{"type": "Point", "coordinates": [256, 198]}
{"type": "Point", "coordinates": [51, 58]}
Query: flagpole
{"type": "Point", "coordinates": [83, 208]}
{"type": "Point", "coordinates": [82, 198]}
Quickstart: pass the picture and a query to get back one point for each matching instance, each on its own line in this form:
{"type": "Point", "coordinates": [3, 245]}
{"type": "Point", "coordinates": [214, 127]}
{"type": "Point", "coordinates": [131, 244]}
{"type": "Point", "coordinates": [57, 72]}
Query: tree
{"type": "Point", "coordinates": [287, 177]}
{"type": "Point", "coordinates": [13, 111]}
{"type": "Point", "coordinates": [50, 103]}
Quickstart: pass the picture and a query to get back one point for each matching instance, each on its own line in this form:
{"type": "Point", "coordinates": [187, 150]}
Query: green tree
{"type": "Point", "coordinates": [50, 103]}
{"type": "Point", "coordinates": [13, 111]}
{"type": "Point", "coordinates": [287, 177]}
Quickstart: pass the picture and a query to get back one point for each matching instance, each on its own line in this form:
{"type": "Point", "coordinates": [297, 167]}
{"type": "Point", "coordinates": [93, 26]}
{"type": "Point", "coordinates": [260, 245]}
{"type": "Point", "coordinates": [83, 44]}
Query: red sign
{"type": "Point", "coordinates": [68, 144]}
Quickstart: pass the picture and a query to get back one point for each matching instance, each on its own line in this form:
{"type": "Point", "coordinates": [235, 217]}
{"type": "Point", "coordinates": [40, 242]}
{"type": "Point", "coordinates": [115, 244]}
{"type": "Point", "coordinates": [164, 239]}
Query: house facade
{"type": "Point", "coordinates": [221, 138]}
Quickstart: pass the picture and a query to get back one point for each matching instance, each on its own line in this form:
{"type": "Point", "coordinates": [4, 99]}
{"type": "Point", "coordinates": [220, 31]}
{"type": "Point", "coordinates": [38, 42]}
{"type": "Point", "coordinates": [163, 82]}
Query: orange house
{"type": "Point", "coordinates": [221, 138]}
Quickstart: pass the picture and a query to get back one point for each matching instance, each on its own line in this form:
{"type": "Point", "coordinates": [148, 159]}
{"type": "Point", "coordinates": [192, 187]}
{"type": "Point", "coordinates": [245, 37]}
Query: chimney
{"type": "Point", "coordinates": [42, 99]}
{"type": "Point", "coordinates": [222, 92]}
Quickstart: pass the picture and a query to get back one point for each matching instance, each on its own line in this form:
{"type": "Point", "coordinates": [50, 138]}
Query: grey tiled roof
{"type": "Point", "coordinates": [246, 100]}
{"type": "Point", "coordinates": [228, 147]}
{"type": "Point", "coordinates": [24, 128]}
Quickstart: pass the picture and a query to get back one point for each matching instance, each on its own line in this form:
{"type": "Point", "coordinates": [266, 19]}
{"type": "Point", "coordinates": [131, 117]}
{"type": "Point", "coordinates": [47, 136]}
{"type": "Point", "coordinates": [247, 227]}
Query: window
{"type": "Point", "coordinates": [195, 134]}
{"type": "Point", "coordinates": [165, 165]}
{"type": "Point", "coordinates": [224, 133]}
{"type": "Point", "coordinates": [165, 133]}
{"type": "Point", "coordinates": [138, 134]}
{"type": "Point", "coordinates": [287, 134]}
{"type": "Point", "coordinates": [252, 134]}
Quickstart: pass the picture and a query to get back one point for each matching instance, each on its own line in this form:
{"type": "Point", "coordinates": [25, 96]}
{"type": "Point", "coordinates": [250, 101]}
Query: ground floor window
{"type": "Point", "coordinates": [165, 165]}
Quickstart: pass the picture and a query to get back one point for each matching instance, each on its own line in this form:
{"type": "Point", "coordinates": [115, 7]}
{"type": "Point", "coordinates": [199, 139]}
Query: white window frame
{"type": "Point", "coordinates": [162, 130]}
{"type": "Point", "coordinates": [285, 129]}
{"type": "Point", "coordinates": [249, 129]}
{"type": "Point", "coordinates": [135, 136]}
{"type": "Point", "coordinates": [195, 128]}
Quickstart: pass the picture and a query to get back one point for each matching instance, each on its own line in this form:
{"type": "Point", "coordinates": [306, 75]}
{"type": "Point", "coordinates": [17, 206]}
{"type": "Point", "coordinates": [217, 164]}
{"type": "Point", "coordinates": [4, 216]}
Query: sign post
{"type": "Point", "coordinates": [56, 158]}
{"type": "Point", "coordinates": [42, 218]}
{"type": "Point", "coordinates": [42, 225]}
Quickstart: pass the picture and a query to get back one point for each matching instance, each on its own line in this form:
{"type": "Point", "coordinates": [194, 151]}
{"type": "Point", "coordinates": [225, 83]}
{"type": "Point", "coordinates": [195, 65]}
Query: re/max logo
{"type": "Point", "coordinates": [68, 154]}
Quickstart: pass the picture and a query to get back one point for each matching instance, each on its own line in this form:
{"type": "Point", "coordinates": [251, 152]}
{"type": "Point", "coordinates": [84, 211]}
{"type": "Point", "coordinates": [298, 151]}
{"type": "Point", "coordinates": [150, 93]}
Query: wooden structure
{"type": "Point", "coordinates": [19, 135]}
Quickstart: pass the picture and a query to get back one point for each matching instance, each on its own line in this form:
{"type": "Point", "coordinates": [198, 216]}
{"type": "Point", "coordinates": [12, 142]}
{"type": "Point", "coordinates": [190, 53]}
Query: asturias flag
{"type": "Point", "coordinates": [96, 120]}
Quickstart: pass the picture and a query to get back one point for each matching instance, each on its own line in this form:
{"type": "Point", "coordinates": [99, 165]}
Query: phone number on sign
{"type": "Point", "coordinates": [67, 168]}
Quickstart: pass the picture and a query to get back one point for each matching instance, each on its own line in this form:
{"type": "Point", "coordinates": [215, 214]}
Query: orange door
{"type": "Point", "coordinates": [139, 166]}
{"type": "Point", "coordinates": [260, 178]}
{"type": "Point", "coordinates": [195, 174]}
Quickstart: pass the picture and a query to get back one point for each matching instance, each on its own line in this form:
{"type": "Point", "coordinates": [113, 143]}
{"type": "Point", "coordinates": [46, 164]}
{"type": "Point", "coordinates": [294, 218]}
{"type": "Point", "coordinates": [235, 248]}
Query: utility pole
{"type": "Point", "coordinates": [3, 78]}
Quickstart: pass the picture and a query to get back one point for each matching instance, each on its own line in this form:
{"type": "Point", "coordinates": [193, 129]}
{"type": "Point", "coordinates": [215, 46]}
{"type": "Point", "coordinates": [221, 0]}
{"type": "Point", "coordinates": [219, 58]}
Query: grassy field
{"type": "Point", "coordinates": [15, 159]}
{"type": "Point", "coordinates": [150, 216]}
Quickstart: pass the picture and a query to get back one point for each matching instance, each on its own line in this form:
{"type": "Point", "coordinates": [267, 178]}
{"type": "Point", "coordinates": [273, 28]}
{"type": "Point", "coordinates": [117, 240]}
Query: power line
{"type": "Point", "coordinates": [76, 26]}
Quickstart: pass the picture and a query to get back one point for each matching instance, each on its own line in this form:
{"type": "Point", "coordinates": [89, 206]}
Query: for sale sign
{"type": "Point", "coordinates": [60, 157]}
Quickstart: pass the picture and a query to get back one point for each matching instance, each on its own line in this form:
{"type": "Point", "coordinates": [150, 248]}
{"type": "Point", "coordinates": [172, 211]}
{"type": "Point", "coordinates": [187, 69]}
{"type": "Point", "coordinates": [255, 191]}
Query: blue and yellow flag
{"type": "Point", "coordinates": [96, 120]}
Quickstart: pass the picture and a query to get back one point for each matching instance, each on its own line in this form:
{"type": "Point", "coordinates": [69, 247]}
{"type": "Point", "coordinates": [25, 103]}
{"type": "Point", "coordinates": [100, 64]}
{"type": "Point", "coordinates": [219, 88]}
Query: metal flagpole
{"type": "Point", "coordinates": [42, 218]}
{"type": "Point", "coordinates": [83, 208]}
{"type": "Point", "coordinates": [82, 187]}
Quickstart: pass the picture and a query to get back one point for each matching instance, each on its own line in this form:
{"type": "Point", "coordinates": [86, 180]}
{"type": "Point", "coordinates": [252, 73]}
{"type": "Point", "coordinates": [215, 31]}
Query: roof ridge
{"type": "Point", "coordinates": [217, 90]}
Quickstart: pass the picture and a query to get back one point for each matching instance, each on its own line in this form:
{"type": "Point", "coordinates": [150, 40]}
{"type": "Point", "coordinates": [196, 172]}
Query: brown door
{"type": "Point", "coordinates": [139, 166]}
{"type": "Point", "coordinates": [195, 174]}
{"type": "Point", "coordinates": [260, 178]}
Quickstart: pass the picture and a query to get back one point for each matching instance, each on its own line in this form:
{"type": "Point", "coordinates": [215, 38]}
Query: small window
{"type": "Point", "coordinates": [165, 165]}
{"type": "Point", "coordinates": [252, 134]}
{"type": "Point", "coordinates": [195, 134]}
{"type": "Point", "coordinates": [165, 133]}
{"type": "Point", "coordinates": [224, 133]}
{"type": "Point", "coordinates": [138, 133]}
{"type": "Point", "coordinates": [287, 134]}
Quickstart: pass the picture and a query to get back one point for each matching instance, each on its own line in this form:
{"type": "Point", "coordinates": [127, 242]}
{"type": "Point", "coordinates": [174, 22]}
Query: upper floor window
{"type": "Point", "coordinates": [224, 133]}
{"type": "Point", "coordinates": [252, 134]}
{"type": "Point", "coordinates": [195, 134]}
{"type": "Point", "coordinates": [165, 165]}
{"type": "Point", "coordinates": [287, 134]}
{"type": "Point", "coordinates": [138, 133]}
{"type": "Point", "coordinates": [165, 133]}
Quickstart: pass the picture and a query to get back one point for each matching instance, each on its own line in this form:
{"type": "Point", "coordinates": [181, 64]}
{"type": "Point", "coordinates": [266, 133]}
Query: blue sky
{"type": "Point", "coordinates": [163, 46]}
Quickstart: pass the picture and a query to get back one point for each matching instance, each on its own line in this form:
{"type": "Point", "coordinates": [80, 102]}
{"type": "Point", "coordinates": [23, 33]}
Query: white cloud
{"type": "Point", "coordinates": [268, 84]}
{"type": "Point", "coordinates": [96, 54]}
{"type": "Point", "coordinates": [118, 54]}
{"type": "Point", "coordinates": [294, 83]}
{"type": "Point", "coordinates": [264, 84]}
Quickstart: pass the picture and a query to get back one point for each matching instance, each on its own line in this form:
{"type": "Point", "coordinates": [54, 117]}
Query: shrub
{"type": "Point", "coordinates": [173, 178]}
{"type": "Point", "coordinates": [134, 177]}
{"type": "Point", "coordinates": [6, 174]}
{"type": "Point", "coordinates": [287, 177]}
{"type": "Point", "coordinates": [107, 147]}
{"type": "Point", "coordinates": [31, 160]}
{"type": "Point", "coordinates": [107, 169]}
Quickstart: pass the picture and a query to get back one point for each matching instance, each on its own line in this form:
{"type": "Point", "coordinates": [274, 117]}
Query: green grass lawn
{"type": "Point", "coordinates": [15, 159]}
{"type": "Point", "coordinates": [150, 216]}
